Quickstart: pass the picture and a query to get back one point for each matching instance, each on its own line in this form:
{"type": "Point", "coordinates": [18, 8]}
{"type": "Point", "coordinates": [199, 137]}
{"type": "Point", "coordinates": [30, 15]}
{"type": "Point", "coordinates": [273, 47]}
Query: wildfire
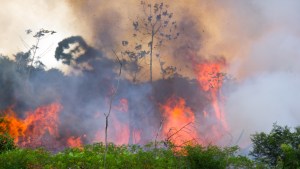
{"type": "Point", "coordinates": [74, 142]}
{"type": "Point", "coordinates": [178, 120]}
{"type": "Point", "coordinates": [33, 130]}
{"type": "Point", "coordinates": [180, 123]}
{"type": "Point", "coordinates": [118, 130]}
{"type": "Point", "coordinates": [210, 78]}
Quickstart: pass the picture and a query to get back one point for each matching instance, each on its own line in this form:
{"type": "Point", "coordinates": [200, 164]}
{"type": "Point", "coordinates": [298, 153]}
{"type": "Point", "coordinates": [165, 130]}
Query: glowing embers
{"type": "Point", "coordinates": [178, 123]}
{"type": "Point", "coordinates": [38, 128]}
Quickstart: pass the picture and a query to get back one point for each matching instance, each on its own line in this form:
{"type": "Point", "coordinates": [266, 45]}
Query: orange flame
{"type": "Point", "coordinates": [120, 122]}
{"type": "Point", "coordinates": [178, 120]}
{"type": "Point", "coordinates": [74, 142]}
{"type": "Point", "coordinates": [39, 123]}
{"type": "Point", "coordinates": [119, 131]}
{"type": "Point", "coordinates": [210, 78]}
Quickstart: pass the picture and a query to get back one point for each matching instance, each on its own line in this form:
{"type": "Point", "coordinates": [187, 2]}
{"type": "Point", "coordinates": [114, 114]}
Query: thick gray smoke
{"type": "Point", "coordinates": [268, 70]}
{"type": "Point", "coordinates": [85, 97]}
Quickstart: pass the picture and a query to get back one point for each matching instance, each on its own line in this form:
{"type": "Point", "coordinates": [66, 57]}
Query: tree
{"type": "Point", "coordinates": [278, 146]}
{"type": "Point", "coordinates": [155, 26]}
{"type": "Point", "coordinates": [114, 92]}
{"type": "Point", "coordinates": [30, 59]}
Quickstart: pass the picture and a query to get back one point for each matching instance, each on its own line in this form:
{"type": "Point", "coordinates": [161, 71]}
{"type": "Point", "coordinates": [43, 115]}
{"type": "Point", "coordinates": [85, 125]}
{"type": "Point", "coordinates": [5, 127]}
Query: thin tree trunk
{"type": "Point", "coordinates": [106, 127]}
{"type": "Point", "coordinates": [109, 110]}
{"type": "Point", "coordinates": [151, 50]}
{"type": "Point", "coordinates": [33, 56]}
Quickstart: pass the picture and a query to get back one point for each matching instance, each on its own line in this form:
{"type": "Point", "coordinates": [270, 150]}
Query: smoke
{"type": "Point", "coordinates": [259, 102]}
{"type": "Point", "coordinates": [258, 39]}
{"type": "Point", "coordinates": [266, 69]}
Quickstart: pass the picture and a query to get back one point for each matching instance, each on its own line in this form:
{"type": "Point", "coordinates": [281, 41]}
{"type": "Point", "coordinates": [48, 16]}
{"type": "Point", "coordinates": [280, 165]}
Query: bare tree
{"type": "Point", "coordinates": [151, 30]}
{"type": "Point", "coordinates": [113, 94]}
{"type": "Point", "coordinates": [30, 57]}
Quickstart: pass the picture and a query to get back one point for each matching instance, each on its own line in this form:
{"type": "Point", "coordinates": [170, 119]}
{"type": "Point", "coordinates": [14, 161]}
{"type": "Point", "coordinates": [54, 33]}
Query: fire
{"type": "Point", "coordinates": [178, 121]}
{"type": "Point", "coordinates": [74, 142]}
{"type": "Point", "coordinates": [118, 125]}
{"type": "Point", "coordinates": [33, 130]}
{"type": "Point", "coordinates": [210, 78]}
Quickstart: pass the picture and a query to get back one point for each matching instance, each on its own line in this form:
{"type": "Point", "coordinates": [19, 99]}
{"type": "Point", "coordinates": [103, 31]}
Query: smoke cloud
{"type": "Point", "coordinates": [258, 39]}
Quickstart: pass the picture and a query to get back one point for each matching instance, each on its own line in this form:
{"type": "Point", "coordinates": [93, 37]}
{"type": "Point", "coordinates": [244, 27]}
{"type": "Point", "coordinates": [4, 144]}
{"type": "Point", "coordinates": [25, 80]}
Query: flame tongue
{"type": "Point", "coordinates": [74, 142]}
{"type": "Point", "coordinates": [35, 128]}
{"type": "Point", "coordinates": [210, 78]}
{"type": "Point", "coordinates": [178, 121]}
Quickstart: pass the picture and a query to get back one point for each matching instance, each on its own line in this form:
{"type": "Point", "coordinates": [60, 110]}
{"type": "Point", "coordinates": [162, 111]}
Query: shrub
{"type": "Point", "coordinates": [6, 143]}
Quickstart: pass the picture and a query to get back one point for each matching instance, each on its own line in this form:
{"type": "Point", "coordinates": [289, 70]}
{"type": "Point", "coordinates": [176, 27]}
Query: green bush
{"type": "Point", "coordinates": [126, 157]}
{"type": "Point", "coordinates": [25, 158]}
{"type": "Point", "coordinates": [6, 143]}
{"type": "Point", "coordinates": [280, 147]}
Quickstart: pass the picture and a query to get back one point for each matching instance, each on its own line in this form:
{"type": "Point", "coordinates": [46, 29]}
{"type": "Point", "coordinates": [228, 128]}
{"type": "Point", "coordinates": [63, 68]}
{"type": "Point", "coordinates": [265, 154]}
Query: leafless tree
{"type": "Point", "coordinates": [113, 94]}
{"type": "Point", "coordinates": [30, 58]}
{"type": "Point", "coordinates": [151, 30]}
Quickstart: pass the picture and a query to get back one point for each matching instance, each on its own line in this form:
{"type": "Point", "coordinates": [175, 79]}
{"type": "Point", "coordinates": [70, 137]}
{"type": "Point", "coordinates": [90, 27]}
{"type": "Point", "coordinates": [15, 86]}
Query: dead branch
{"type": "Point", "coordinates": [178, 131]}
{"type": "Point", "coordinates": [110, 106]}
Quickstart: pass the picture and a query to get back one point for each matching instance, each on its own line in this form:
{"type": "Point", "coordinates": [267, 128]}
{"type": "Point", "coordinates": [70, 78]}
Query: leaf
{"type": "Point", "coordinates": [124, 43]}
{"type": "Point", "coordinates": [135, 25]}
{"type": "Point", "coordinates": [160, 42]}
{"type": "Point", "coordinates": [161, 5]}
{"type": "Point", "coordinates": [165, 13]}
{"type": "Point", "coordinates": [166, 23]}
{"type": "Point", "coordinates": [143, 54]}
{"type": "Point", "coordinates": [138, 47]}
{"type": "Point", "coordinates": [158, 17]}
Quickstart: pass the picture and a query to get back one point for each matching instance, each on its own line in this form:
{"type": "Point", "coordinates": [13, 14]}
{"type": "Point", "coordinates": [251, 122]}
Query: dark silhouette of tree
{"type": "Point", "coordinates": [31, 57]}
{"type": "Point", "coordinates": [151, 30]}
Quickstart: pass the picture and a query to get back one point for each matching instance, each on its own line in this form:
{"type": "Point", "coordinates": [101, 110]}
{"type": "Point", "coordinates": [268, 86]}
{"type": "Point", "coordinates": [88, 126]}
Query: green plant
{"type": "Point", "coordinates": [25, 158]}
{"type": "Point", "coordinates": [6, 142]}
{"type": "Point", "coordinates": [280, 145]}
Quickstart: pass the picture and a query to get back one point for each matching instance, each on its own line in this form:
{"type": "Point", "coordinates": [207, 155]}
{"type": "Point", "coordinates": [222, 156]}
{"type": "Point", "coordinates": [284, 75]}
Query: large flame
{"type": "Point", "coordinates": [210, 78]}
{"type": "Point", "coordinates": [178, 121]}
{"type": "Point", "coordinates": [33, 130]}
{"type": "Point", "coordinates": [74, 142]}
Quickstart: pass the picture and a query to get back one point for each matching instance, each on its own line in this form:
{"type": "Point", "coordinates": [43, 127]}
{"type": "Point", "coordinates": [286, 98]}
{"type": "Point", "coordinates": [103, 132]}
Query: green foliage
{"type": "Point", "coordinates": [280, 146]}
{"type": "Point", "coordinates": [25, 158]}
{"type": "Point", "coordinates": [291, 156]}
{"type": "Point", "coordinates": [6, 143]}
{"type": "Point", "coordinates": [216, 158]}
{"type": "Point", "coordinates": [133, 156]}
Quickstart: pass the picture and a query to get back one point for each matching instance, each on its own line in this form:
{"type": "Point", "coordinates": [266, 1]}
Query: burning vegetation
{"type": "Point", "coordinates": [46, 108]}
{"type": "Point", "coordinates": [190, 114]}
{"type": "Point", "coordinates": [154, 74]}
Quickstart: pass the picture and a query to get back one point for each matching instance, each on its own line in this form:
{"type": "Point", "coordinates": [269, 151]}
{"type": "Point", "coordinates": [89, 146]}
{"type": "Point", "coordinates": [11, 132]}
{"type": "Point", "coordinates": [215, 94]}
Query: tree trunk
{"type": "Point", "coordinates": [151, 50]}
